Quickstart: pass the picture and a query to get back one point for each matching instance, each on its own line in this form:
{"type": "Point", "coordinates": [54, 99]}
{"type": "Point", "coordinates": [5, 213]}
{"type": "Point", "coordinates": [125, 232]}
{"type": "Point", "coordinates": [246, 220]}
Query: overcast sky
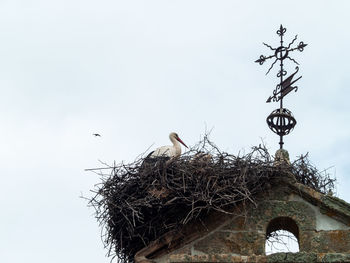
{"type": "Point", "coordinates": [134, 71]}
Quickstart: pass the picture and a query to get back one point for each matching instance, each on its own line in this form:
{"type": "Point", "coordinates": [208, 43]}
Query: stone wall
{"type": "Point", "coordinates": [322, 236]}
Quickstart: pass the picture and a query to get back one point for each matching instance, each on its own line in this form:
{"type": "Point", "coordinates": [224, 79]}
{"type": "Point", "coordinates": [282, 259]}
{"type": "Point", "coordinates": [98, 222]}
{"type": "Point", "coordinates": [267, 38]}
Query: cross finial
{"type": "Point", "coordinates": [281, 121]}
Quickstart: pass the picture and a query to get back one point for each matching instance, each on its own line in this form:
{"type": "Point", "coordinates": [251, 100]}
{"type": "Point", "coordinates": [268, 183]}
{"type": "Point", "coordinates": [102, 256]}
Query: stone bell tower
{"type": "Point", "coordinates": [321, 224]}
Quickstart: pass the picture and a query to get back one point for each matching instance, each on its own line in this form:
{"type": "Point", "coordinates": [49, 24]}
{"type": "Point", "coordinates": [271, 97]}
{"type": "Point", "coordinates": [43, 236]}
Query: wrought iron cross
{"type": "Point", "coordinates": [281, 121]}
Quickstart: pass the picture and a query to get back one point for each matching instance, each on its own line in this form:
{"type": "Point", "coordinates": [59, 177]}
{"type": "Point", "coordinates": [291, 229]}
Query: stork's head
{"type": "Point", "coordinates": [174, 135]}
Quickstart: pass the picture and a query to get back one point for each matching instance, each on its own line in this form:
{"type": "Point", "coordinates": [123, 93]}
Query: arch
{"type": "Point", "coordinates": [280, 230]}
{"type": "Point", "coordinates": [282, 223]}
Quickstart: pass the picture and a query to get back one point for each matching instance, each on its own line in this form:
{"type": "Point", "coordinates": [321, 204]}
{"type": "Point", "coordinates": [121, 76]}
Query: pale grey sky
{"type": "Point", "coordinates": [135, 71]}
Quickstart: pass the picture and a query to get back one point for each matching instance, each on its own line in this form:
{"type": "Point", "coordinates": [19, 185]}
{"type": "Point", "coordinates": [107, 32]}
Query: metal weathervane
{"type": "Point", "coordinates": [281, 120]}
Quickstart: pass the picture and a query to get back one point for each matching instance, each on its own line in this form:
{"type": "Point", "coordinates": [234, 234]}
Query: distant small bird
{"type": "Point", "coordinates": [169, 151]}
{"type": "Point", "coordinates": [96, 134]}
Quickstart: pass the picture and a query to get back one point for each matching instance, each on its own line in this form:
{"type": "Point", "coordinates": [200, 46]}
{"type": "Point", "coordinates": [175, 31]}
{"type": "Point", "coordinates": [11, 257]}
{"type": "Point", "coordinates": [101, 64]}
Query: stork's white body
{"type": "Point", "coordinates": [171, 151]}
{"type": "Point", "coordinates": [167, 151]}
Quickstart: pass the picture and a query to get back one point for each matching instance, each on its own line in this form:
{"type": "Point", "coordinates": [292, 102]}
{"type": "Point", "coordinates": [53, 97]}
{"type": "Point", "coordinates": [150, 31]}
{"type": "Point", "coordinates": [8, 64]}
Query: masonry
{"type": "Point", "coordinates": [321, 224]}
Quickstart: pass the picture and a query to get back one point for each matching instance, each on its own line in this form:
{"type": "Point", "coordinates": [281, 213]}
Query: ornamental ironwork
{"type": "Point", "coordinates": [281, 120]}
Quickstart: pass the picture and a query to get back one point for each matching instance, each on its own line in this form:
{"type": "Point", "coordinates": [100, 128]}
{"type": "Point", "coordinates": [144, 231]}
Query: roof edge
{"type": "Point", "coordinates": [330, 205]}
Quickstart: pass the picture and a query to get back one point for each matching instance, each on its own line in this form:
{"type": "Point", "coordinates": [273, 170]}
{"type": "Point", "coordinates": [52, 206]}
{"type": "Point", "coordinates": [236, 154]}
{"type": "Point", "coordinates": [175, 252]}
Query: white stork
{"type": "Point", "coordinates": [169, 151]}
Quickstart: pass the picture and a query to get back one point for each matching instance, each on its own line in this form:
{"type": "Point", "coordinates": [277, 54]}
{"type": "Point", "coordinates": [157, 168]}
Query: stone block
{"type": "Point", "coordinates": [335, 241]}
{"type": "Point", "coordinates": [241, 243]}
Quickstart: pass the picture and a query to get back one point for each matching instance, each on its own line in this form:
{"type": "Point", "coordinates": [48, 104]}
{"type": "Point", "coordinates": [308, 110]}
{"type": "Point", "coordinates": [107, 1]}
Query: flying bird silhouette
{"type": "Point", "coordinates": [96, 135]}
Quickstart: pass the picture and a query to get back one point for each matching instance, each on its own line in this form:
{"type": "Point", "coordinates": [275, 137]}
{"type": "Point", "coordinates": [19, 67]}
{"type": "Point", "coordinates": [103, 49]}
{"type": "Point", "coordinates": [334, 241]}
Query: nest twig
{"type": "Point", "coordinates": [137, 203]}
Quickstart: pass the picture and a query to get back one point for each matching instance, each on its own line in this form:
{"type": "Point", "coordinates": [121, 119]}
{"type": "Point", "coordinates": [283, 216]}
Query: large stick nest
{"type": "Point", "coordinates": [137, 203]}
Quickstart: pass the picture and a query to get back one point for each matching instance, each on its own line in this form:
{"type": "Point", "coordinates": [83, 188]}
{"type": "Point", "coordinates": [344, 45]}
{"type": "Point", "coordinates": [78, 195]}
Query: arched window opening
{"type": "Point", "coordinates": [282, 235]}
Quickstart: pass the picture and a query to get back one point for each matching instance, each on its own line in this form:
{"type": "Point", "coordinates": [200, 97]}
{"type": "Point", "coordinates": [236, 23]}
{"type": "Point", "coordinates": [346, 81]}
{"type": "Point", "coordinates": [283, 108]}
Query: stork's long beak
{"type": "Point", "coordinates": [181, 142]}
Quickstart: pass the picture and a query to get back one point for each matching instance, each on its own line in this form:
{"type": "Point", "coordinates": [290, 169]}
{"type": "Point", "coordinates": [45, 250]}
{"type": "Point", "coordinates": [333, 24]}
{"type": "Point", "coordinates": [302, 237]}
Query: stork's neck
{"type": "Point", "coordinates": [176, 144]}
